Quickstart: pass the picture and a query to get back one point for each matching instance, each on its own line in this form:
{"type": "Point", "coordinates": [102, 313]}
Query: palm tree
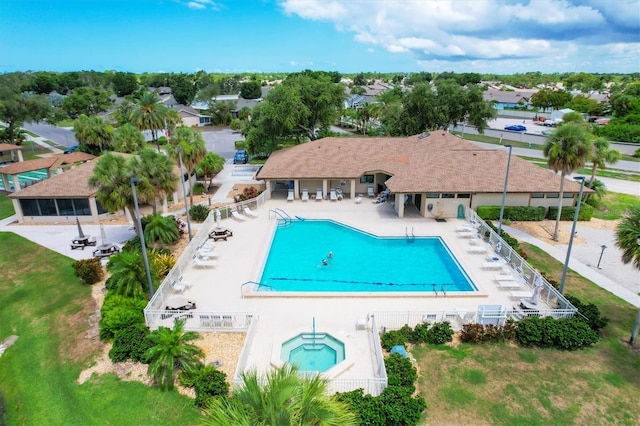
{"type": "Point", "coordinates": [567, 149]}
{"type": "Point", "coordinates": [601, 154]}
{"type": "Point", "coordinates": [628, 240]}
{"type": "Point", "coordinates": [286, 398]}
{"type": "Point", "coordinates": [161, 229]}
{"type": "Point", "coordinates": [172, 348]}
{"type": "Point", "coordinates": [150, 114]}
{"type": "Point", "coordinates": [128, 139]}
{"type": "Point", "coordinates": [128, 274]}
{"type": "Point", "coordinates": [157, 170]}
{"type": "Point", "coordinates": [210, 164]}
{"type": "Point", "coordinates": [93, 131]}
{"type": "Point", "coordinates": [192, 148]}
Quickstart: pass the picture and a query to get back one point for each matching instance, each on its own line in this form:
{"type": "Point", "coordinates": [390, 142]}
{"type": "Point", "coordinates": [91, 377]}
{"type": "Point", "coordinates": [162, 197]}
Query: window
{"type": "Point", "coordinates": [30, 207]}
{"type": "Point", "coordinates": [433, 195]}
{"type": "Point", "coordinates": [464, 195]}
{"type": "Point", "coordinates": [65, 207]}
{"type": "Point", "coordinates": [81, 206]}
{"type": "Point", "coordinates": [537, 195]}
{"type": "Point", "coordinates": [47, 207]}
{"type": "Point", "coordinates": [448, 195]}
{"type": "Point", "coordinates": [553, 195]}
{"type": "Point", "coordinates": [366, 179]}
{"type": "Point", "coordinates": [567, 195]}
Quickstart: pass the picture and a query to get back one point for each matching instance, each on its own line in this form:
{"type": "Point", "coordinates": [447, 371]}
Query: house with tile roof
{"type": "Point", "coordinates": [436, 174]}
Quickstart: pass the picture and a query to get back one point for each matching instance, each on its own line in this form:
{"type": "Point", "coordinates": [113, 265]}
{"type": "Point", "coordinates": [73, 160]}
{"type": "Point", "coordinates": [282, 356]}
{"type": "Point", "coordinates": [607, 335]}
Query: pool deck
{"type": "Point", "coordinates": [241, 259]}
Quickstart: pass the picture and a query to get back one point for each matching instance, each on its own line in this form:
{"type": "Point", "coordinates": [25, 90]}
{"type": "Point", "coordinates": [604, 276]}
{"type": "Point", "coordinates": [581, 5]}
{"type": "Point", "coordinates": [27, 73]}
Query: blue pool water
{"type": "Point", "coordinates": [361, 262]}
{"type": "Point", "coordinates": [313, 352]}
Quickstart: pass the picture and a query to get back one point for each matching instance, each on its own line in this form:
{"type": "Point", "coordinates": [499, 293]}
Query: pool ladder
{"type": "Point", "coordinates": [281, 215]}
{"type": "Point", "coordinates": [410, 236]}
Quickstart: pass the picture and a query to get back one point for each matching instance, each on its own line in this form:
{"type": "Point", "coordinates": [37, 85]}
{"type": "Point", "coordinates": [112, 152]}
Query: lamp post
{"type": "Point", "coordinates": [601, 253]}
{"type": "Point", "coordinates": [184, 192]}
{"type": "Point", "coordinates": [504, 192]}
{"type": "Point", "coordinates": [134, 182]}
{"type": "Point", "coordinates": [573, 231]}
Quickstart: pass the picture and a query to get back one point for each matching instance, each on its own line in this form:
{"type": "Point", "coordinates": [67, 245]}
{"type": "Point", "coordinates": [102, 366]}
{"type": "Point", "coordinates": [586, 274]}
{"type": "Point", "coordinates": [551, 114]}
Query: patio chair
{"type": "Point", "coordinates": [477, 249]}
{"type": "Point", "coordinates": [305, 194]}
{"type": "Point", "coordinates": [509, 285]}
{"type": "Point", "coordinates": [493, 265]}
{"type": "Point", "coordinates": [178, 287]}
{"type": "Point", "coordinates": [237, 216]}
{"type": "Point", "coordinates": [467, 234]}
{"type": "Point", "coordinates": [332, 195]}
{"type": "Point", "coordinates": [204, 263]}
{"type": "Point", "coordinates": [370, 192]}
{"type": "Point", "coordinates": [504, 277]}
{"type": "Point", "coordinates": [249, 212]}
{"type": "Point", "coordinates": [319, 194]}
{"type": "Point", "coordinates": [290, 195]}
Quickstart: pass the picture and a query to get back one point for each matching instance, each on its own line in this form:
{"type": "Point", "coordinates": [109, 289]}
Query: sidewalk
{"type": "Point", "coordinates": [580, 268]}
{"type": "Point", "coordinates": [41, 141]}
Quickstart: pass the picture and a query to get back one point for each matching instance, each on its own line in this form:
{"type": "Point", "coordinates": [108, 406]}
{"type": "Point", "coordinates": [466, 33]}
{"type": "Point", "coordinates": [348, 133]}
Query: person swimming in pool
{"type": "Point", "coordinates": [330, 255]}
{"type": "Point", "coordinates": [324, 262]}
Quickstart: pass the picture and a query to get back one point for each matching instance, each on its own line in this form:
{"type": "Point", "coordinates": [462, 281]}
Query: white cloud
{"type": "Point", "coordinates": [196, 5]}
{"type": "Point", "coordinates": [479, 33]}
{"type": "Point", "coordinates": [203, 4]}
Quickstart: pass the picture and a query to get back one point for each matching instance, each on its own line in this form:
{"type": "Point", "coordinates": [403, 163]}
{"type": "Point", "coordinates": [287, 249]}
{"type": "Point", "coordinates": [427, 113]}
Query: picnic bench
{"type": "Point", "coordinates": [220, 234]}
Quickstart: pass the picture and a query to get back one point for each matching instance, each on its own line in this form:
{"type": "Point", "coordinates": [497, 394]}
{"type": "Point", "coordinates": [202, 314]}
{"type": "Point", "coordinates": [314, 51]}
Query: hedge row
{"type": "Point", "coordinates": [520, 213]}
{"type": "Point", "coordinates": [567, 213]}
{"type": "Point", "coordinates": [436, 334]}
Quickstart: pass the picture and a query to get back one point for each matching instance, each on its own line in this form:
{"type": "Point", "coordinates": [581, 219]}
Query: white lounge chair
{"type": "Point", "coordinates": [370, 192]}
{"type": "Point", "coordinates": [510, 285]}
{"type": "Point", "coordinates": [206, 254]}
{"type": "Point", "coordinates": [178, 287]}
{"type": "Point", "coordinates": [318, 194]}
{"type": "Point", "coordinates": [332, 195]}
{"type": "Point", "coordinates": [467, 234]}
{"type": "Point", "coordinates": [237, 216]}
{"type": "Point", "coordinates": [305, 194]}
{"type": "Point", "coordinates": [504, 277]}
{"type": "Point", "coordinates": [493, 265]}
{"type": "Point", "coordinates": [477, 249]}
{"type": "Point", "coordinates": [290, 195]}
{"type": "Point", "coordinates": [249, 212]}
{"type": "Point", "coordinates": [204, 263]}
{"type": "Point", "coordinates": [521, 294]}
{"type": "Point", "coordinates": [464, 228]}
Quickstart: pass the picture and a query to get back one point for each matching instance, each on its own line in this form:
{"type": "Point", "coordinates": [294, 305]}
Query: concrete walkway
{"type": "Point", "coordinates": [41, 141]}
{"type": "Point", "coordinates": [582, 269]}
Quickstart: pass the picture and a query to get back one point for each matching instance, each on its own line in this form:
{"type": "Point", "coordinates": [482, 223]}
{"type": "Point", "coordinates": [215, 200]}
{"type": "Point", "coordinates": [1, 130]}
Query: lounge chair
{"type": "Point", "coordinates": [204, 263]}
{"type": "Point", "coordinates": [504, 277]}
{"type": "Point", "coordinates": [370, 192]}
{"type": "Point", "coordinates": [477, 249]}
{"type": "Point", "coordinates": [178, 287]}
{"type": "Point", "coordinates": [493, 265]}
{"type": "Point", "coordinates": [319, 194]}
{"type": "Point", "coordinates": [509, 285]}
{"type": "Point", "coordinates": [358, 199]}
{"type": "Point", "coordinates": [467, 234]}
{"type": "Point", "coordinates": [305, 194]}
{"type": "Point", "coordinates": [521, 294]}
{"type": "Point", "coordinates": [206, 254]}
{"type": "Point", "coordinates": [332, 195]}
{"type": "Point", "coordinates": [464, 228]}
{"type": "Point", "coordinates": [249, 212]}
{"type": "Point", "coordinates": [290, 195]}
{"type": "Point", "coordinates": [237, 216]}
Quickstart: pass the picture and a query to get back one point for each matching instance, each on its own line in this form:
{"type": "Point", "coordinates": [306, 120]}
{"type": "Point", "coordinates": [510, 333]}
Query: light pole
{"type": "Point", "coordinates": [134, 182]}
{"type": "Point", "coordinates": [573, 231]}
{"type": "Point", "coordinates": [601, 253]}
{"type": "Point", "coordinates": [184, 192]}
{"type": "Point", "coordinates": [504, 192]}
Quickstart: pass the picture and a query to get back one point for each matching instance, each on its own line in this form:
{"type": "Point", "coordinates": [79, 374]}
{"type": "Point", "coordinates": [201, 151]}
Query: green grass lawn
{"type": "Point", "coordinates": [31, 150]}
{"type": "Point", "coordinates": [508, 385]}
{"type": "Point", "coordinates": [613, 205]}
{"type": "Point", "coordinates": [6, 207]}
{"type": "Point", "coordinates": [48, 308]}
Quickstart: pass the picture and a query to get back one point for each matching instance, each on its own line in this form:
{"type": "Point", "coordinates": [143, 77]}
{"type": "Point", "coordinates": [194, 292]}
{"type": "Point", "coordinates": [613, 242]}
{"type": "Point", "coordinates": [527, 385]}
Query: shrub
{"type": "Point", "coordinates": [161, 229]}
{"type": "Point", "coordinates": [401, 407]}
{"type": "Point", "coordinates": [563, 333]}
{"type": "Point", "coordinates": [119, 312]}
{"type": "Point", "coordinates": [506, 237]}
{"type": "Point", "coordinates": [586, 213]}
{"type": "Point", "coordinates": [162, 262]}
{"type": "Point", "coordinates": [400, 372]}
{"type": "Point", "coordinates": [130, 343]}
{"type": "Point", "coordinates": [162, 140]}
{"type": "Point", "coordinates": [367, 408]}
{"type": "Point", "coordinates": [241, 144]}
{"type": "Point", "coordinates": [478, 333]}
{"type": "Point", "coordinates": [198, 188]}
{"type": "Point", "coordinates": [420, 333]}
{"type": "Point", "coordinates": [89, 270]}
{"type": "Point", "coordinates": [593, 317]}
{"type": "Point", "coordinates": [198, 213]}
{"type": "Point", "coordinates": [209, 383]}
{"type": "Point", "coordinates": [389, 339]}
{"type": "Point", "coordinates": [520, 213]}
{"type": "Point", "coordinates": [133, 244]}
{"type": "Point", "coordinates": [440, 333]}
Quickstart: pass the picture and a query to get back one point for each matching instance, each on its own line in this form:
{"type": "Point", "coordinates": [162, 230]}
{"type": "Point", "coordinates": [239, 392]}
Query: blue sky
{"type": "Point", "coordinates": [486, 36]}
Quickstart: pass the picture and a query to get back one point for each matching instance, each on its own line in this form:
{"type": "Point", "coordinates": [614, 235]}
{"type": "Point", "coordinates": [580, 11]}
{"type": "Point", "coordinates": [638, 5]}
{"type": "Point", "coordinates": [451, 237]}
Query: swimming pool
{"type": "Point", "coordinates": [361, 262]}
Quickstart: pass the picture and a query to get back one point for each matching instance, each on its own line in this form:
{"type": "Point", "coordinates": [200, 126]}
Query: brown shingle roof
{"type": "Point", "coordinates": [440, 162]}
{"type": "Point", "coordinates": [52, 162]}
{"type": "Point", "coordinates": [74, 183]}
{"type": "Point", "coordinates": [8, 147]}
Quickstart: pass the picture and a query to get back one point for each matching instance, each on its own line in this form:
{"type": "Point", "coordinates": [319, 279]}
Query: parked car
{"type": "Point", "coordinates": [546, 132]}
{"type": "Point", "coordinates": [516, 128]}
{"type": "Point", "coordinates": [241, 157]}
{"type": "Point", "coordinates": [71, 149]}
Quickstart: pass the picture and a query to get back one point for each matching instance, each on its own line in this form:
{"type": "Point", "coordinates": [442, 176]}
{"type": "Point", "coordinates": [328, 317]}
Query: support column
{"type": "Point", "coordinates": [18, 209]}
{"type": "Point", "coordinates": [19, 152]}
{"type": "Point", "coordinates": [296, 189]}
{"type": "Point", "coordinates": [353, 188]}
{"type": "Point", "coordinates": [93, 206]}
{"type": "Point", "coordinates": [324, 187]}
{"type": "Point", "coordinates": [16, 183]}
